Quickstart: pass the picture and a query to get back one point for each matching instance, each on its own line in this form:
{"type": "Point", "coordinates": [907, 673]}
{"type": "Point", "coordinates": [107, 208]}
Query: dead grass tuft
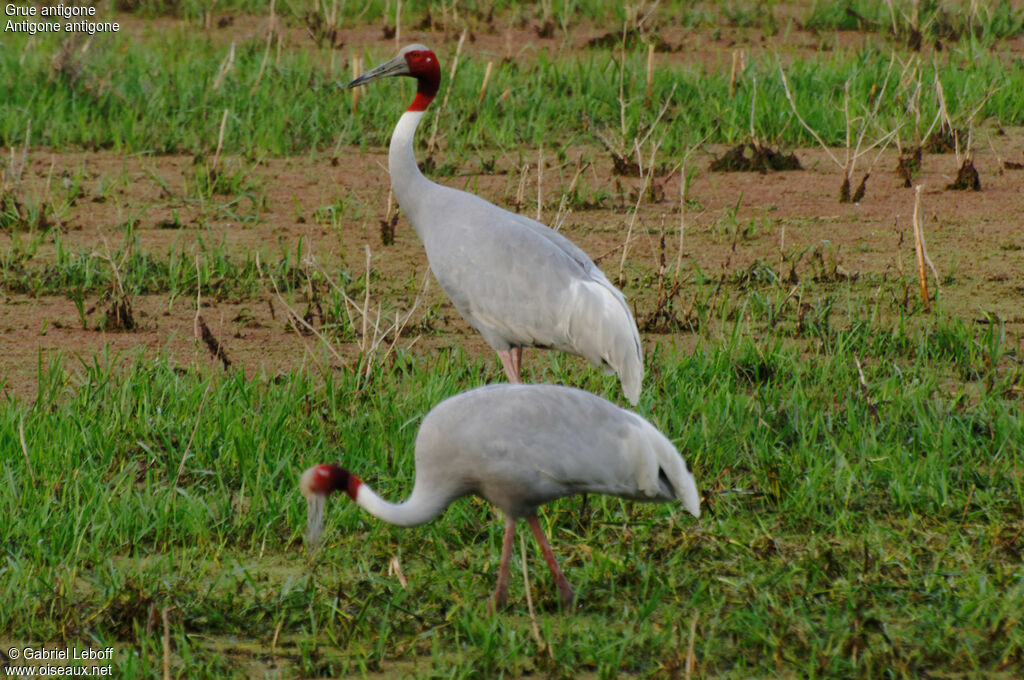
{"type": "Point", "coordinates": [762, 159]}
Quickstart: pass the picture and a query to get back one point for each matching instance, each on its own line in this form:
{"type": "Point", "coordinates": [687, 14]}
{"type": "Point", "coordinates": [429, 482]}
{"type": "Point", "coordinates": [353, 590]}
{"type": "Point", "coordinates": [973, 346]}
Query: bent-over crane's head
{"type": "Point", "coordinates": [316, 484]}
{"type": "Point", "coordinates": [416, 61]}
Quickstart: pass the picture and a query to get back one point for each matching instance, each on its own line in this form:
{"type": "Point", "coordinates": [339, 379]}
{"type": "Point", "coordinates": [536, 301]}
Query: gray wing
{"type": "Point", "coordinates": [521, 446]}
{"type": "Point", "coordinates": [519, 283]}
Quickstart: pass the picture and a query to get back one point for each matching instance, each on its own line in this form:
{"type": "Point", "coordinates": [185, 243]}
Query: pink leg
{"type": "Point", "coordinates": [564, 588]}
{"type": "Point", "coordinates": [500, 596]}
{"type": "Point", "coordinates": [510, 361]}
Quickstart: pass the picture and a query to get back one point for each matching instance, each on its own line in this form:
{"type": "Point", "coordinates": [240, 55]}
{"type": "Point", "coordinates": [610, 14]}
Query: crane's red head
{"type": "Point", "coordinates": [323, 479]}
{"type": "Point", "coordinates": [416, 61]}
{"type": "Point", "coordinates": [316, 484]}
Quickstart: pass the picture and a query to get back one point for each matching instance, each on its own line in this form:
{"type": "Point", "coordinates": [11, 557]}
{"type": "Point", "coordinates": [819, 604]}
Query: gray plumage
{"type": "Point", "coordinates": [516, 281]}
{"type": "Point", "coordinates": [519, 447]}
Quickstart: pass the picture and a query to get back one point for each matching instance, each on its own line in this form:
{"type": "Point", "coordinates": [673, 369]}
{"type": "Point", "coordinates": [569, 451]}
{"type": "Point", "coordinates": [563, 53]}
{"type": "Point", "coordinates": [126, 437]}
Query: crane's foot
{"type": "Point", "coordinates": [565, 592]}
{"type": "Point", "coordinates": [567, 596]}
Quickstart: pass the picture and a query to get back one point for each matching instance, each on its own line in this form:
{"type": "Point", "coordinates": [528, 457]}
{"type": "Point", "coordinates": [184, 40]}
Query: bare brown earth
{"type": "Point", "coordinates": [975, 239]}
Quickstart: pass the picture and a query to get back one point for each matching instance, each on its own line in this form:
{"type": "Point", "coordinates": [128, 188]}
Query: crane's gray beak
{"type": "Point", "coordinates": [314, 519]}
{"type": "Point", "coordinates": [394, 67]}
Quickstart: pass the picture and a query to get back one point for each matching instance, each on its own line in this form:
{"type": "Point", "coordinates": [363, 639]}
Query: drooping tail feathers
{"type": "Point", "coordinates": [601, 328]}
{"type": "Point", "coordinates": [656, 457]}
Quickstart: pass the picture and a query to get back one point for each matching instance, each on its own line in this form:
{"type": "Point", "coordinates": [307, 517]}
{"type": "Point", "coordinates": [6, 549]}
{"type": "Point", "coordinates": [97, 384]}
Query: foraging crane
{"type": "Point", "coordinates": [520, 446]}
{"type": "Point", "coordinates": [516, 281]}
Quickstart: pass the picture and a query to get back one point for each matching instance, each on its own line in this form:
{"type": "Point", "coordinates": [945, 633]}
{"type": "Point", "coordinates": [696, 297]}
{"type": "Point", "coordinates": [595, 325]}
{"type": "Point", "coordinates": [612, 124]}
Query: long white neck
{"type": "Point", "coordinates": [407, 182]}
{"type": "Point", "coordinates": [420, 507]}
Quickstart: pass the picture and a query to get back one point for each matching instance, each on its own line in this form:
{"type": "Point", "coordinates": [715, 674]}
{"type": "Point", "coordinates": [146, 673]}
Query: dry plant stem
{"type": "Point", "coordinates": [220, 138]}
{"type": "Point", "coordinates": [357, 69]}
{"type": "Point", "coordinates": [636, 209]}
{"type": "Point", "coordinates": [899, 242]}
{"type": "Point", "coordinates": [919, 248]}
{"type": "Point", "coordinates": [892, 15]}
{"type": "Point", "coordinates": [691, 658]}
{"type": "Point", "coordinates": [273, 643]}
{"type": "Point", "coordinates": [753, 109]}
{"type": "Point", "coordinates": [208, 15]}
{"type": "Point", "coordinates": [650, 72]}
{"type": "Point", "coordinates": [395, 569]}
{"type": "Point", "coordinates": [199, 301]}
{"type": "Point", "coordinates": [540, 181]}
{"type": "Point", "coordinates": [24, 449]}
{"type": "Point", "coordinates": [968, 153]}
{"type": "Point", "coordinates": [967, 505]}
{"type": "Point", "coordinates": [366, 302]}
{"type": "Point", "coordinates": [924, 252]}
{"type": "Point", "coordinates": [294, 319]}
{"type": "Point", "coordinates": [739, 63]}
{"type": "Point", "coordinates": [563, 212]}
{"type": "Point", "coordinates": [943, 112]}
{"type": "Point", "coordinates": [641, 20]}
{"type": "Point", "coordinates": [682, 218]}
{"type": "Point", "coordinates": [266, 51]}
{"type": "Point", "coordinates": [853, 150]}
{"type": "Point", "coordinates": [444, 102]}
{"type": "Point", "coordinates": [661, 114]}
{"type": "Point", "coordinates": [225, 66]}
{"type": "Point", "coordinates": [167, 644]}
{"type": "Point", "coordinates": [873, 115]}
{"type": "Point", "coordinates": [369, 349]}
{"type": "Point", "coordinates": [521, 191]}
{"type": "Point", "coordinates": [872, 409]}
{"type": "Point", "coordinates": [398, 328]}
{"type": "Point", "coordinates": [113, 265]}
{"type": "Point", "coordinates": [483, 86]}
{"type": "Point", "coordinates": [622, 86]}
{"type": "Point", "coordinates": [263, 66]}
{"type": "Point", "coordinates": [529, 598]}
{"type": "Point", "coordinates": [206, 393]}
{"type": "Point", "coordinates": [24, 152]}
{"type": "Point", "coordinates": [814, 133]}
{"type": "Point", "coordinates": [16, 168]}
{"type": "Point", "coordinates": [914, 104]}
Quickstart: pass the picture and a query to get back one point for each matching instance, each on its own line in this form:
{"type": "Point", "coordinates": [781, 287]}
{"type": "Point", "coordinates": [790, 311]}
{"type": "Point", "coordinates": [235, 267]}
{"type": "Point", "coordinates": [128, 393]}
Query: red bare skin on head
{"type": "Point", "coordinates": [424, 67]}
{"type": "Point", "coordinates": [353, 486]}
{"type": "Point", "coordinates": [328, 478]}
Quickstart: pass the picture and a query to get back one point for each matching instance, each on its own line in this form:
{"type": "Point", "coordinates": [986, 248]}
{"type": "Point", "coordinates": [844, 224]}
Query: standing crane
{"type": "Point", "coordinates": [520, 446]}
{"type": "Point", "coordinates": [516, 281]}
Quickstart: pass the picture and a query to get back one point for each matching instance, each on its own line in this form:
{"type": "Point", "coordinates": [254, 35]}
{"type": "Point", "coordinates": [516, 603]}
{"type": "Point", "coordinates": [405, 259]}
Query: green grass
{"type": "Point", "coordinates": [942, 19]}
{"type": "Point", "coordinates": [141, 97]}
{"type": "Point", "coordinates": [848, 531]}
{"type": "Point", "coordinates": [223, 275]}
